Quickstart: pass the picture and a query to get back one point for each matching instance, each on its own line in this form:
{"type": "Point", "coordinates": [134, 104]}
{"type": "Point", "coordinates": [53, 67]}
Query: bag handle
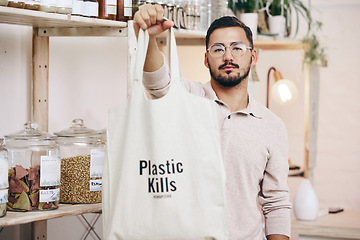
{"type": "Point", "coordinates": [142, 45]}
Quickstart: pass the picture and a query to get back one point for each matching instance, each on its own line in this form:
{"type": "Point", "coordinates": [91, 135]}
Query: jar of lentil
{"type": "Point", "coordinates": [4, 182]}
{"type": "Point", "coordinates": [34, 170]}
{"type": "Point", "coordinates": [82, 154]}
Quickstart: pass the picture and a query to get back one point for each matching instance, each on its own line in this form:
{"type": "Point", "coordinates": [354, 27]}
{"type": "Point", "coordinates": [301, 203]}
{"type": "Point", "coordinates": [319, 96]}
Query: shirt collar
{"type": "Point", "coordinates": [252, 108]}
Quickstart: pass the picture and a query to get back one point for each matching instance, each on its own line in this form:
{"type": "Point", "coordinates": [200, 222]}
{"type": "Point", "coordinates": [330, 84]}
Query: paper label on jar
{"type": "Point", "coordinates": [127, 3]}
{"type": "Point", "coordinates": [95, 185]}
{"type": "Point", "coordinates": [3, 196]}
{"type": "Point", "coordinates": [110, 2]}
{"type": "Point", "coordinates": [4, 168]}
{"type": "Point", "coordinates": [49, 195]}
{"type": "Point", "coordinates": [50, 171]}
{"type": "Point", "coordinates": [97, 157]}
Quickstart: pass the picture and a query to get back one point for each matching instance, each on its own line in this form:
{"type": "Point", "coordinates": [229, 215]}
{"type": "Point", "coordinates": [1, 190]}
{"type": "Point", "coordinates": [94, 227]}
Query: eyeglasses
{"type": "Point", "coordinates": [237, 49]}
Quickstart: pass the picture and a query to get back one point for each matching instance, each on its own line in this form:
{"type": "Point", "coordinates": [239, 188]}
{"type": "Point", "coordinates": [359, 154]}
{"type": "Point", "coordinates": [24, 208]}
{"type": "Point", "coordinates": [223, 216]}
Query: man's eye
{"type": "Point", "coordinates": [237, 49]}
{"type": "Point", "coordinates": [218, 50]}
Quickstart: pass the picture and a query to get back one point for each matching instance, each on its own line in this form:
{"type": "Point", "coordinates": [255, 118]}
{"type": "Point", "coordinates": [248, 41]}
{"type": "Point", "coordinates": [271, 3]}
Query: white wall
{"type": "Point", "coordinates": [337, 178]}
{"type": "Point", "coordinates": [88, 75]}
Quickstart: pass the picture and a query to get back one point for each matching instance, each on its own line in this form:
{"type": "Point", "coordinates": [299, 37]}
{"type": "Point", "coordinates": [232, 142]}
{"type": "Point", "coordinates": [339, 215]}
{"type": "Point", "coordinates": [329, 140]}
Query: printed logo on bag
{"type": "Point", "coordinates": [160, 176]}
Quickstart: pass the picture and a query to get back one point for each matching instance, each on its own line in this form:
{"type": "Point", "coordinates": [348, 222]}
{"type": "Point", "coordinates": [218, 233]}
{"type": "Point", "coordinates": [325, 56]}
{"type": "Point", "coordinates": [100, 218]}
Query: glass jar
{"type": "Point", "coordinates": [16, 3]}
{"type": "Point", "coordinates": [82, 154]}
{"type": "Point", "coordinates": [48, 6]}
{"type": "Point", "coordinates": [4, 182]}
{"type": "Point", "coordinates": [91, 8]}
{"type": "Point", "coordinates": [64, 6]}
{"type": "Point", "coordinates": [34, 173]}
{"type": "Point", "coordinates": [4, 2]}
{"type": "Point", "coordinates": [107, 9]}
{"type": "Point", "coordinates": [32, 4]}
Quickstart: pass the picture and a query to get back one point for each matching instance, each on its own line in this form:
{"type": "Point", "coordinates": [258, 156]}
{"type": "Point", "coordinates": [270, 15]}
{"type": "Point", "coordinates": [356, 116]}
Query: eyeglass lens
{"type": "Point", "coordinates": [237, 49]}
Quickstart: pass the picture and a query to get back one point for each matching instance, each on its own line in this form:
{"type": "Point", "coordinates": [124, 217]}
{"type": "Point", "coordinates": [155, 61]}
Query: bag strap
{"type": "Point", "coordinates": [142, 45]}
{"type": "Point", "coordinates": [173, 56]}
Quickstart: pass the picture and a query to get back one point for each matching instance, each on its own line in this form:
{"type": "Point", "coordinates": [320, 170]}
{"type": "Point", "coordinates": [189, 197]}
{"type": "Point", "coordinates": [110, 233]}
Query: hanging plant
{"type": "Point", "coordinates": [315, 53]}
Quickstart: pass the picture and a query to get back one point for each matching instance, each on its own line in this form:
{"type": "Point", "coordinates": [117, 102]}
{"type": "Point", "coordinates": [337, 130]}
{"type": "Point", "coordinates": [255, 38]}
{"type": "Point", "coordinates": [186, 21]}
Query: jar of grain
{"type": "Point", "coordinates": [82, 154]}
{"type": "Point", "coordinates": [16, 3]}
{"type": "Point", "coordinates": [34, 170]}
{"type": "Point", "coordinates": [4, 182]}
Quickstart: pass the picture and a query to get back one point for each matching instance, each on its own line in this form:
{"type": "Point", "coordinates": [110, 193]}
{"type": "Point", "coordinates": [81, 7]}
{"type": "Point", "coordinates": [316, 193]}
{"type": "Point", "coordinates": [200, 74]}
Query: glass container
{"type": "Point", "coordinates": [32, 4]}
{"type": "Point", "coordinates": [48, 6]}
{"type": "Point", "coordinates": [4, 182]}
{"type": "Point", "coordinates": [4, 2]}
{"type": "Point", "coordinates": [82, 154]}
{"type": "Point", "coordinates": [16, 3]}
{"type": "Point", "coordinates": [34, 169]}
{"type": "Point", "coordinates": [64, 6]}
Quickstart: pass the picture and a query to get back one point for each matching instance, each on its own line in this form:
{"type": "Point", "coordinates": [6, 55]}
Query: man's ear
{"type": "Point", "coordinates": [254, 57]}
{"type": "Point", "coordinates": [206, 60]}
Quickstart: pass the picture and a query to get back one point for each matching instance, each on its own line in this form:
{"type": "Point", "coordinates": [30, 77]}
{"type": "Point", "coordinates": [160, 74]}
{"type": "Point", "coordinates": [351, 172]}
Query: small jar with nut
{"type": "Point", "coordinates": [4, 182]}
{"type": "Point", "coordinates": [82, 155]}
{"type": "Point", "coordinates": [34, 170]}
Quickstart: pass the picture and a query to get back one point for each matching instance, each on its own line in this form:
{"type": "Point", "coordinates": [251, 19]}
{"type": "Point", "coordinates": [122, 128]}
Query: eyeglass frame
{"type": "Point", "coordinates": [222, 45]}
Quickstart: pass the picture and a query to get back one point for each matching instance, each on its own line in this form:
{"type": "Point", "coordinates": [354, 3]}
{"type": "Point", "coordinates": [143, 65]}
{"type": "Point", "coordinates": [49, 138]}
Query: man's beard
{"type": "Point", "coordinates": [227, 80]}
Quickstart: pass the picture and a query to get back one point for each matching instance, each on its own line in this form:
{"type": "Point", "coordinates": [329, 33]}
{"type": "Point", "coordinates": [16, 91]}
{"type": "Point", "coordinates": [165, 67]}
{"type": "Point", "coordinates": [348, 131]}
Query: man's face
{"type": "Point", "coordinates": [229, 71]}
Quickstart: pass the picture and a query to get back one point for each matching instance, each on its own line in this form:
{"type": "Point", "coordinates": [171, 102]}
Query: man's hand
{"type": "Point", "coordinates": [151, 17]}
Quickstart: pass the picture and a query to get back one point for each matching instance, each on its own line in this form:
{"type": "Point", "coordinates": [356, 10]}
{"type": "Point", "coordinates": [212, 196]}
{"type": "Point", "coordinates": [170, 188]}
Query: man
{"type": "Point", "coordinates": [253, 140]}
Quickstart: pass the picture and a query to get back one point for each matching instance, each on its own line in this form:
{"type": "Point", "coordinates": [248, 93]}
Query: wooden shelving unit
{"type": "Point", "coordinates": [43, 19]}
{"type": "Point", "coordinates": [15, 218]}
{"type": "Point", "coordinates": [186, 37]}
{"type": "Point", "coordinates": [47, 25]}
{"type": "Point", "coordinates": [343, 225]}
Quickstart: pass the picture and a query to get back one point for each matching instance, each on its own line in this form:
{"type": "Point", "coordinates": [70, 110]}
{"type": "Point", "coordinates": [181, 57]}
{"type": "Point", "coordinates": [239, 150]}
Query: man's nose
{"type": "Point", "coordinates": [227, 54]}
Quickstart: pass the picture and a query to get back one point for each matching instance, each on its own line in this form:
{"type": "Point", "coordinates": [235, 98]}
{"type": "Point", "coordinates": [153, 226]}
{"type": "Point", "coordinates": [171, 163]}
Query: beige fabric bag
{"type": "Point", "coordinates": [164, 176]}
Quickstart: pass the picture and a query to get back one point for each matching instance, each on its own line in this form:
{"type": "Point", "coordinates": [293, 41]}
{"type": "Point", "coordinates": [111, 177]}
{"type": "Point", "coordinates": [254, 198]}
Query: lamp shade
{"type": "Point", "coordinates": [284, 91]}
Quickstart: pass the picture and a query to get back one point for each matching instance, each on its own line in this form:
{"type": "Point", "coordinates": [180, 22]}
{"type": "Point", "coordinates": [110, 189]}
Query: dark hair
{"type": "Point", "coordinates": [228, 21]}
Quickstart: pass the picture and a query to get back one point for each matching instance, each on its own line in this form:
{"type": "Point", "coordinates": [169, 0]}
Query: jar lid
{"type": "Point", "coordinates": [78, 129]}
{"type": "Point", "coordinates": [31, 132]}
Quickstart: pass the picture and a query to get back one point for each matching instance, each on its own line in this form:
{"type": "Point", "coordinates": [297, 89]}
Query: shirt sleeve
{"type": "Point", "coordinates": [158, 83]}
{"type": "Point", "coordinates": [274, 193]}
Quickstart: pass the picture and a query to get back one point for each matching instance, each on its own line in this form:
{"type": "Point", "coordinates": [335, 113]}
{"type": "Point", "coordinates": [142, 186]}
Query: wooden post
{"type": "Point", "coordinates": [39, 230]}
{"type": "Point", "coordinates": [40, 81]}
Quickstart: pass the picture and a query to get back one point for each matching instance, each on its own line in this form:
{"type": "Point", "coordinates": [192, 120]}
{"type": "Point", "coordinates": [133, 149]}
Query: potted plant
{"type": "Point", "coordinates": [314, 53]}
{"type": "Point", "coordinates": [286, 9]}
{"type": "Point", "coordinates": [246, 11]}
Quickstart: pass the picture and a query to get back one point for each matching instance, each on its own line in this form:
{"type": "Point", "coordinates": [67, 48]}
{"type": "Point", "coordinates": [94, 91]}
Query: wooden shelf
{"type": "Point", "coordinates": [43, 19]}
{"type": "Point", "coordinates": [191, 37]}
{"type": "Point", "coordinates": [340, 225]}
{"type": "Point", "coordinates": [15, 218]}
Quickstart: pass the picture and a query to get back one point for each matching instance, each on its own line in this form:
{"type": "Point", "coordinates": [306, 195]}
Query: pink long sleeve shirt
{"type": "Point", "coordinates": [255, 154]}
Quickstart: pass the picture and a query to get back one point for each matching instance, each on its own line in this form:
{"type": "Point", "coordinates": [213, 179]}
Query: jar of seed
{"type": "Point", "coordinates": [4, 182]}
{"type": "Point", "coordinates": [34, 170]}
{"type": "Point", "coordinates": [82, 154]}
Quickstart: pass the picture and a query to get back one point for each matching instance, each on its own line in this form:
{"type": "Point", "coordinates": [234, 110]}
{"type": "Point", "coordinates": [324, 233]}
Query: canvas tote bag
{"type": "Point", "coordinates": [164, 177]}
